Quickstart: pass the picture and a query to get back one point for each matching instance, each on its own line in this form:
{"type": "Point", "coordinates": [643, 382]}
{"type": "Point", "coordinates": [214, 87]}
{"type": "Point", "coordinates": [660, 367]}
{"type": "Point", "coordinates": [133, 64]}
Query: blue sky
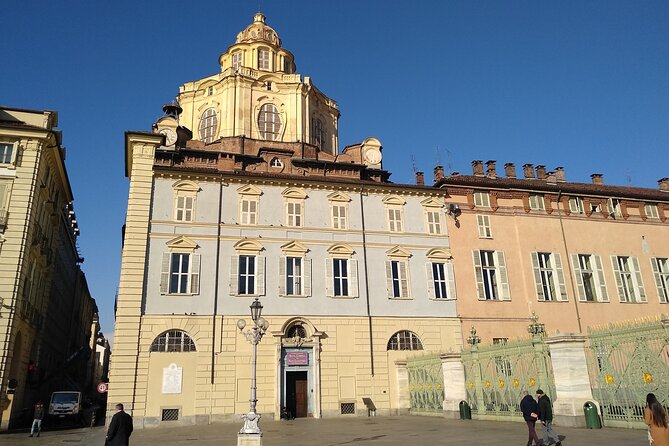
{"type": "Point", "coordinates": [579, 84]}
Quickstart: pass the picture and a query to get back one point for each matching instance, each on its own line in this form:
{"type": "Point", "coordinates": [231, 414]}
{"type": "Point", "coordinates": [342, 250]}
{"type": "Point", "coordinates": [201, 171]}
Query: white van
{"type": "Point", "coordinates": [65, 405]}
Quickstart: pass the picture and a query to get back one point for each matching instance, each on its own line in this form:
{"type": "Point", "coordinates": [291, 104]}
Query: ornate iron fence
{"type": "Point", "coordinates": [426, 384]}
{"type": "Point", "coordinates": [496, 375]}
{"type": "Point", "coordinates": [626, 361]}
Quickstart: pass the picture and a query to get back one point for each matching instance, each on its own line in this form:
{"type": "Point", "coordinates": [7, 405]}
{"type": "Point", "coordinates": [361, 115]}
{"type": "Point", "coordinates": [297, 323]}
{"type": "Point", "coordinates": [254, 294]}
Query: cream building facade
{"type": "Point", "coordinates": [354, 272]}
{"type": "Point", "coordinates": [46, 311]}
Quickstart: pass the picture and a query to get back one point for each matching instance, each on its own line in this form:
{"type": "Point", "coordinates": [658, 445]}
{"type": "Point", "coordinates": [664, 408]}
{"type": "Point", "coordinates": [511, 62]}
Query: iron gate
{"type": "Point", "coordinates": [426, 384]}
{"type": "Point", "coordinates": [626, 361]}
{"type": "Point", "coordinates": [496, 375]}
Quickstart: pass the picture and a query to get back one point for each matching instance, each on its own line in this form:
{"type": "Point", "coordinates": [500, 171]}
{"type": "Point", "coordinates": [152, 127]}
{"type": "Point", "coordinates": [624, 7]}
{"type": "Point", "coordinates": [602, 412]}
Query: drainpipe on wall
{"type": "Point", "coordinates": [364, 257]}
{"type": "Point", "coordinates": [571, 278]}
{"type": "Point", "coordinates": [216, 278]}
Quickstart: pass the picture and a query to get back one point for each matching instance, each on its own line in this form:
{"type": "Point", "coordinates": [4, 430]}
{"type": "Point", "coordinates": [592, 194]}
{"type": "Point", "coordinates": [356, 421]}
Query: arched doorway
{"type": "Point", "coordinates": [298, 371]}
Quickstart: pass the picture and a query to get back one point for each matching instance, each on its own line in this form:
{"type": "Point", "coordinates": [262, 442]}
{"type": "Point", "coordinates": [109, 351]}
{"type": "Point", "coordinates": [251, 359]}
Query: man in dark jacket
{"type": "Point", "coordinates": [546, 417]}
{"type": "Point", "coordinates": [120, 428]}
{"type": "Point", "coordinates": [530, 410]}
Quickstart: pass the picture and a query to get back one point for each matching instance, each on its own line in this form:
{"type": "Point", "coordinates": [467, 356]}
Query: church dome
{"type": "Point", "coordinates": [258, 31]}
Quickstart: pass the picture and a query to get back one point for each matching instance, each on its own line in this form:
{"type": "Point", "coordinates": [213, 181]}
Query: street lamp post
{"type": "Point", "coordinates": [251, 426]}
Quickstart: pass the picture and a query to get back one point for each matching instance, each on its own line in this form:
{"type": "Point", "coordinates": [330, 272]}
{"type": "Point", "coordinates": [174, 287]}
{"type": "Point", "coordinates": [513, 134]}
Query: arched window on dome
{"type": "Point", "coordinates": [269, 122]}
{"type": "Point", "coordinates": [208, 123]}
{"type": "Point", "coordinates": [405, 340]}
{"type": "Point", "coordinates": [173, 341]}
{"type": "Point", "coordinates": [319, 133]}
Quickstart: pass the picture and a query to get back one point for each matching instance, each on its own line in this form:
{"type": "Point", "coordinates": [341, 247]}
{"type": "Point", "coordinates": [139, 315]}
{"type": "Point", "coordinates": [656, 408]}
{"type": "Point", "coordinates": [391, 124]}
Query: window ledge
{"type": "Point", "coordinates": [442, 299]}
{"type": "Point", "coordinates": [400, 298]}
{"type": "Point", "coordinates": [293, 296]}
{"type": "Point", "coordinates": [342, 297]}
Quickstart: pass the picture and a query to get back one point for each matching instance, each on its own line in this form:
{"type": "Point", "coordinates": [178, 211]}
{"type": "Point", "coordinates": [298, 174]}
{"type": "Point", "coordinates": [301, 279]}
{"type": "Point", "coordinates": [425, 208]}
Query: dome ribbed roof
{"type": "Point", "coordinates": [258, 31]}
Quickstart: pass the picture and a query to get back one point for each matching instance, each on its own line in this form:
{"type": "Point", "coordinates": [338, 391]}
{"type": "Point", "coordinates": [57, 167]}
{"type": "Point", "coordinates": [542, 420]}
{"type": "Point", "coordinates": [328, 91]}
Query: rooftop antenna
{"type": "Point", "coordinates": [438, 156]}
{"type": "Point", "coordinates": [628, 178]}
{"type": "Point", "coordinates": [449, 164]}
{"type": "Point", "coordinates": [413, 163]}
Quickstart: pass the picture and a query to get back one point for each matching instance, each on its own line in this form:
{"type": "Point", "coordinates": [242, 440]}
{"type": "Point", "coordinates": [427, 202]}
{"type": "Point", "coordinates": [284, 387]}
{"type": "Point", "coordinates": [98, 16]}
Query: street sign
{"type": "Point", "coordinates": [102, 387]}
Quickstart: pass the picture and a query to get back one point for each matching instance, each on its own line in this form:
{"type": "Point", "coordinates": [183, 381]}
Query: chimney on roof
{"type": "Point", "coordinates": [528, 171]}
{"type": "Point", "coordinates": [541, 172]}
{"type": "Point", "coordinates": [477, 168]}
{"type": "Point", "coordinates": [597, 178]}
{"type": "Point", "coordinates": [438, 173]}
{"type": "Point", "coordinates": [491, 171]}
{"type": "Point", "coordinates": [420, 178]}
{"type": "Point", "coordinates": [559, 174]}
{"type": "Point", "coordinates": [664, 184]}
{"type": "Point", "coordinates": [551, 177]}
{"type": "Point", "coordinates": [510, 170]}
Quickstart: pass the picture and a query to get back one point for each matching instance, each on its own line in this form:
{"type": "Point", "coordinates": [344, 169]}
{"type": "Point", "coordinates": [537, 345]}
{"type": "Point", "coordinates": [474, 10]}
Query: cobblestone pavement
{"type": "Point", "coordinates": [375, 431]}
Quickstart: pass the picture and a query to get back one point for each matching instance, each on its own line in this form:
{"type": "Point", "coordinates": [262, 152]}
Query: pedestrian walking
{"type": "Point", "coordinates": [38, 416]}
{"type": "Point", "coordinates": [120, 428]}
{"type": "Point", "coordinates": [530, 410]}
{"type": "Point", "coordinates": [546, 417]}
{"type": "Point", "coordinates": [656, 419]}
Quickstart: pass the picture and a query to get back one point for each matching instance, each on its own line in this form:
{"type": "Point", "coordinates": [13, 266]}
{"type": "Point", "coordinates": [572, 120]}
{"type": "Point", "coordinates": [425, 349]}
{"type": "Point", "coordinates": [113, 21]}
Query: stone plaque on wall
{"type": "Point", "coordinates": [172, 376]}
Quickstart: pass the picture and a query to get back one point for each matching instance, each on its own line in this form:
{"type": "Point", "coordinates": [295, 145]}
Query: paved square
{"type": "Point", "coordinates": [375, 431]}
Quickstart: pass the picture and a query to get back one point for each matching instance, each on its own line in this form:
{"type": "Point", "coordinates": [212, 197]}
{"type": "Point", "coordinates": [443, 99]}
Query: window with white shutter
{"type": "Point", "coordinates": [180, 273]}
{"type": "Point", "coordinates": [492, 281]}
{"type": "Point", "coordinates": [398, 278]}
{"type": "Point", "coordinates": [440, 280]}
{"type": "Point", "coordinates": [661, 273]}
{"type": "Point", "coordinates": [537, 202]}
{"type": "Point", "coordinates": [8, 152]}
{"type": "Point", "coordinates": [549, 276]}
{"type": "Point", "coordinates": [576, 205]}
{"type": "Point", "coordinates": [339, 220]}
{"type": "Point", "coordinates": [628, 279]}
{"type": "Point", "coordinates": [482, 199]}
{"type": "Point", "coordinates": [483, 222]}
{"type": "Point", "coordinates": [185, 193]}
{"type": "Point", "coordinates": [433, 222]}
{"type": "Point", "coordinates": [590, 283]}
{"type": "Point", "coordinates": [651, 211]}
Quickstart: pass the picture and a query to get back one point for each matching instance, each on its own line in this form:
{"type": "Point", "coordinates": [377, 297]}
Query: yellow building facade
{"type": "Point", "coordinates": [47, 316]}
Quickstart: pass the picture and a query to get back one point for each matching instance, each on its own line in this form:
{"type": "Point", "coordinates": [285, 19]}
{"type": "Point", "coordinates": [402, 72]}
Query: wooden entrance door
{"type": "Point", "coordinates": [297, 397]}
{"type": "Point", "coordinates": [301, 406]}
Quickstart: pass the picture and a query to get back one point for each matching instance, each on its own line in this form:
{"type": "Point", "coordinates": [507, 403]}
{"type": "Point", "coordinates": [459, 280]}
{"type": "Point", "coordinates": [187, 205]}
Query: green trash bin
{"type": "Point", "coordinates": [592, 420]}
{"type": "Point", "coordinates": [465, 411]}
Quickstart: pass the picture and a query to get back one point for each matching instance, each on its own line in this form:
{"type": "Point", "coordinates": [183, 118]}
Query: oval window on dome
{"type": "Point", "coordinates": [208, 123]}
{"type": "Point", "coordinates": [269, 122]}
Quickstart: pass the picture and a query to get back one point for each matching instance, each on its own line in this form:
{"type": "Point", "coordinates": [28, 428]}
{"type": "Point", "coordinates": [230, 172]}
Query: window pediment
{"type": "Point", "coordinates": [247, 246]}
{"type": "Point", "coordinates": [249, 189]}
{"type": "Point", "coordinates": [432, 202]}
{"type": "Point", "coordinates": [398, 252]}
{"type": "Point", "coordinates": [339, 196]}
{"type": "Point", "coordinates": [439, 254]}
{"type": "Point", "coordinates": [294, 192]}
{"type": "Point", "coordinates": [186, 186]}
{"type": "Point", "coordinates": [394, 200]}
{"type": "Point", "coordinates": [294, 247]}
{"type": "Point", "coordinates": [182, 243]}
{"type": "Point", "coordinates": [341, 250]}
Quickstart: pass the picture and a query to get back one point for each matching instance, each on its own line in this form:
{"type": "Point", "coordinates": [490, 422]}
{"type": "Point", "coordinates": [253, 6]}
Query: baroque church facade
{"type": "Point", "coordinates": [240, 192]}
